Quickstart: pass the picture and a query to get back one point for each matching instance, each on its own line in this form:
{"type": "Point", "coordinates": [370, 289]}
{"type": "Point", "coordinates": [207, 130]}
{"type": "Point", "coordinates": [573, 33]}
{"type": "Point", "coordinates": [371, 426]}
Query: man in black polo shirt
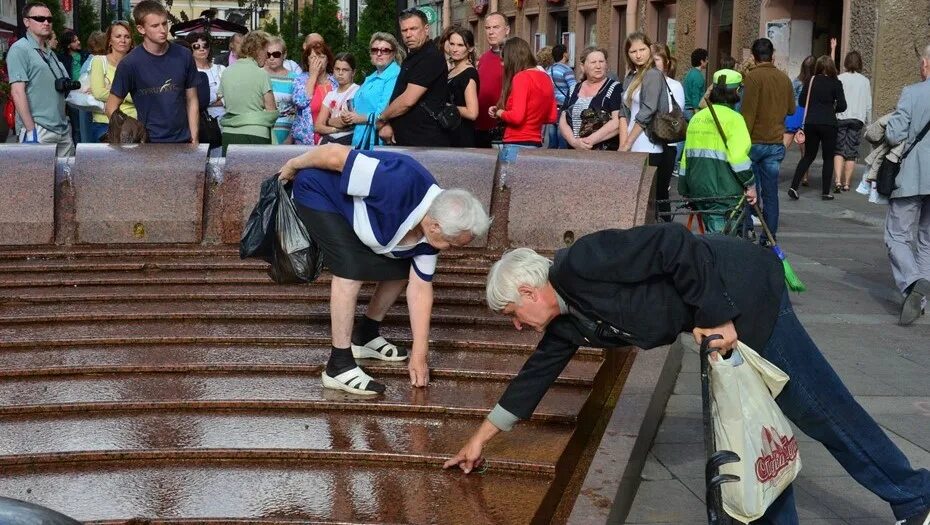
{"type": "Point", "coordinates": [422, 81]}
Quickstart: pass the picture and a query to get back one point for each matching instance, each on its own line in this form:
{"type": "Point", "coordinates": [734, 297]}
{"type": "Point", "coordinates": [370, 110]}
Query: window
{"type": "Point", "coordinates": [590, 27]}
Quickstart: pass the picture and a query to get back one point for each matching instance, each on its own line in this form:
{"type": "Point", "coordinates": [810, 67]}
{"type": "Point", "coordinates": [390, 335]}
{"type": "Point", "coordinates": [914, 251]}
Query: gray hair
{"type": "Point", "coordinates": [516, 268]}
{"type": "Point", "coordinates": [926, 53]}
{"type": "Point", "coordinates": [458, 211]}
{"type": "Point", "coordinates": [399, 52]}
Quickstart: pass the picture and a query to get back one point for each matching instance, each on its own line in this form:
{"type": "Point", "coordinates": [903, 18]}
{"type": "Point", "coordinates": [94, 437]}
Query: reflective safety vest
{"type": "Point", "coordinates": [708, 167]}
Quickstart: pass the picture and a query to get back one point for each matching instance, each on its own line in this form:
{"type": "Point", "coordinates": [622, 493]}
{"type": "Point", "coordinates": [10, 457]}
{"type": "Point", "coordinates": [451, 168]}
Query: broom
{"type": "Point", "coordinates": [791, 279]}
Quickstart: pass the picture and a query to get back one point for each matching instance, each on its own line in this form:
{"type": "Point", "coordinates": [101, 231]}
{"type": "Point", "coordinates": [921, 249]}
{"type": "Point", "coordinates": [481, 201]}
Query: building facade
{"type": "Point", "coordinates": [886, 32]}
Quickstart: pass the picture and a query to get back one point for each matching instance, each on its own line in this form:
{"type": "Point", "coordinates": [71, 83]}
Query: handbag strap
{"type": "Point", "coordinates": [670, 94]}
{"type": "Point", "coordinates": [807, 104]}
{"type": "Point", "coordinates": [919, 137]}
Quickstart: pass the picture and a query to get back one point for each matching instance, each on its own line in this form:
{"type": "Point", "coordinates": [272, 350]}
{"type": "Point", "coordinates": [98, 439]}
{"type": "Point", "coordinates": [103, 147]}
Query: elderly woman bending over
{"type": "Point", "coordinates": [378, 216]}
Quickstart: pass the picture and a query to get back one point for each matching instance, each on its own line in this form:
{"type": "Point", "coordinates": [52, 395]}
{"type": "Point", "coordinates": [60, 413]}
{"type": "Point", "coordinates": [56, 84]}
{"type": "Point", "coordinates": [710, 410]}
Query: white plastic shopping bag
{"type": "Point", "coordinates": [748, 422]}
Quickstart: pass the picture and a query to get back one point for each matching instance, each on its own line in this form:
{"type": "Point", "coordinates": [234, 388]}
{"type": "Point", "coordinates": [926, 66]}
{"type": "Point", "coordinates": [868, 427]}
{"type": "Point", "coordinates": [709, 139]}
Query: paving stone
{"type": "Point", "coordinates": [688, 383]}
{"type": "Point", "coordinates": [684, 404]}
{"type": "Point", "coordinates": [845, 497]}
{"type": "Point", "coordinates": [666, 501]}
{"type": "Point", "coordinates": [808, 507]}
{"type": "Point", "coordinates": [909, 417]}
{"type": "Point", "coordinates": [27, 194]}
{"type": "Point", "coordinates": [681, 428]}
{"type": "Point", "coordinates": [683, 460]}
{"type": "Point", "coordinates": [653, 470]}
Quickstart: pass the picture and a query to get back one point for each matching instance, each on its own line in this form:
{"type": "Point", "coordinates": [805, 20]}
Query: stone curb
{"type": "Point", "coordinates": [607, 493]}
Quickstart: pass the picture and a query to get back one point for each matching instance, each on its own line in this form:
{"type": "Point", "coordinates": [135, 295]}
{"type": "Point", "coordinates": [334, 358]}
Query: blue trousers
{"type": "Point", "coordinates": [766, 164]}
{"type": "Point", "coordinates": [816, 400]}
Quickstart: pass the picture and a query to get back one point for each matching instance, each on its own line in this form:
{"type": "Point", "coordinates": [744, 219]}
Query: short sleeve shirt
{"type": "Point", "coordinates": [158, 85]}
{"type": "Point", "coordinates": [38, 68]}
{"type": "Point", "coordinates": [383, 195]}
{"type": "Point", "coordinates": [425, 67]}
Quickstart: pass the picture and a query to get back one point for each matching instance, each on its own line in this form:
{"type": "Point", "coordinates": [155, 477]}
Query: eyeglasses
{"type": "Point", "coordinates": [41, 19]}
{"type": "Point", "coordinates": [198, 47]}
{"type": "Point", "coordinates": [276, 54]}
{"type": "Point", "coordinates": [381, 51]}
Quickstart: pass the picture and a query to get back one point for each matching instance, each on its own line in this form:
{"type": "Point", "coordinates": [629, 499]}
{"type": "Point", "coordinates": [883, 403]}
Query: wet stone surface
{"type": "Point", "coordinates": [178, 383]}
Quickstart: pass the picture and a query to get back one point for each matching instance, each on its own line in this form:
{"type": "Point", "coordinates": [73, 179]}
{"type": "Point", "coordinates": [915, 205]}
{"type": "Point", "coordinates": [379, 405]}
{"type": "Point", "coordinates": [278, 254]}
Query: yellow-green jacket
{"type": "Point", "coordinates": [710, 169]}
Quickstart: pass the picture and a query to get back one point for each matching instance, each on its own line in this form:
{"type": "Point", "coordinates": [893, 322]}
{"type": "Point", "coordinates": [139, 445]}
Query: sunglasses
{"type": "Point", "coordinates": [381, 51]}
{"type": "Point", "coordinates": [276, 54]}
{"type": "Point", "coordinates": [41, 19]}
{"type": "Point", "coordinates": [198, 47]}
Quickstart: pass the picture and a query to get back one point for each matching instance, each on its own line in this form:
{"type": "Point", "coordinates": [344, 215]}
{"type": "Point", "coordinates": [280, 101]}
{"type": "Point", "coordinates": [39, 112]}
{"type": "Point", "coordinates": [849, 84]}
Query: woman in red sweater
{"type": "Point", "coordinates": [527, 101]}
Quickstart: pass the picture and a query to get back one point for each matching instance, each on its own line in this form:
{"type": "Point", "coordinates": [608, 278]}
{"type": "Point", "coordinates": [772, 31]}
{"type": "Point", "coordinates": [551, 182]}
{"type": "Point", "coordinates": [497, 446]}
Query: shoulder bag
{"type": "Point", "coordinates": [671, 127]}
{"type": "Point", "coordinates": [888, 171]}
{"type": "Point", "coordinates": [448, 116]}
{"type": "Point", "coordinates": [799, 136]}
{"type": "Point", "coordinates": [369, 135]}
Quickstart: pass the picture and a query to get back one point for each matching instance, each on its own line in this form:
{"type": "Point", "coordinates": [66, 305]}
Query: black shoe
{"type": "Point", "coordinates": [914, 302]}
{"type": "Point", "coordinates": [827, 197]}
{"type": "Point", "coordinates": [922, 518]}
{"type": "Point", "coordinates": [793, 193]}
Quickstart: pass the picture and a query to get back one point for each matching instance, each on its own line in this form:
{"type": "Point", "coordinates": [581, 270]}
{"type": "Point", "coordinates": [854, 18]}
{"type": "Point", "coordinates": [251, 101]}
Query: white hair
{"type": "Point", "coordinates": [458, 211]}
{"type": "Point", "coordinates": [516, 268]}
{"type": "Point", "coordinates": [926, 53]}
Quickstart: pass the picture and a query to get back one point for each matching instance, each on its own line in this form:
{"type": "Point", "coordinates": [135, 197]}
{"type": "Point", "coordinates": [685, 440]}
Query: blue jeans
{"type": "Point", "coordinates": [816, 400]}
{"type": "Point", "coordinates": [97, 129]}
{"type": "Point", "coordinates": [556, 141]}
{"type": "Point", "coordinates": [766, 164]}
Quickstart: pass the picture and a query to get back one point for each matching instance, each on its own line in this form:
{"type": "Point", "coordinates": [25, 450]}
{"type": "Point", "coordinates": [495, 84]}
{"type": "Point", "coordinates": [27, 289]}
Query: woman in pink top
{"type": "Point", "coordinates": [310, 88]}
{"type": "Point", "coordinates": [527, 101]}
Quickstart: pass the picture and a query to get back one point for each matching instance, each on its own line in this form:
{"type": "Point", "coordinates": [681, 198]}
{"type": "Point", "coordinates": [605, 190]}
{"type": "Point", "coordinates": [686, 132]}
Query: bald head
{"type": "Point", "coordinates": [313, 39]}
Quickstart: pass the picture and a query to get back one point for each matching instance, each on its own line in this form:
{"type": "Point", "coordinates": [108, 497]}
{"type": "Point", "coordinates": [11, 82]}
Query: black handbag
{"type": "Point", "coordinates": [210, 130]}
{"type": "Point", "coordinates": [448, 115]}
{"type": "Point", "coordinates": [671, 127]}
{"type": "Point", "coordinates": [888, 170]}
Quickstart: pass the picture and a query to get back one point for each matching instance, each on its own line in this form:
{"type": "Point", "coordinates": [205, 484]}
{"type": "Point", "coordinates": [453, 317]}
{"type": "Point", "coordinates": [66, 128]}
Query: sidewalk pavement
{"type": "Point", "coordinates": [850, 310]}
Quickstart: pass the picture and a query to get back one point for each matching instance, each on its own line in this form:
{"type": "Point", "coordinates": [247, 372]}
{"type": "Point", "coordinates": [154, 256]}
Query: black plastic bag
{"type": "Point", "coordinates": [295, 257]}
{"type": "Point", "coordinates": [258, 237]}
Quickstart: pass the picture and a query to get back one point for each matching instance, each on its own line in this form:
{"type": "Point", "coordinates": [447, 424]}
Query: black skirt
{"type": "Point", "coordinates": [344, 254]}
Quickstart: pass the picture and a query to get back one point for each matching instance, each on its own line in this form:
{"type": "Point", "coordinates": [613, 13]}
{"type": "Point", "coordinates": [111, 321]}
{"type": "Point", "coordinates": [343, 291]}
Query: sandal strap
{"type": "Point", "coordinates": [355, 378]}
{"type": "Point", "coordinates": [383, 347]}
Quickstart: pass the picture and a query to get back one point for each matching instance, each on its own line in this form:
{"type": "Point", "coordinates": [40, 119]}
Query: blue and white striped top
{"type": "Point", "coordinates": [383, 195]}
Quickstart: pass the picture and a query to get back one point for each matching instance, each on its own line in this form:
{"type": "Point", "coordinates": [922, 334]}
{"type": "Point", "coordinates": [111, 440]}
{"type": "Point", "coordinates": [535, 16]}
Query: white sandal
{"type": "Point", "coordinates": [378, 348]}
{"type": "Point", "coordinates": [353, 381]}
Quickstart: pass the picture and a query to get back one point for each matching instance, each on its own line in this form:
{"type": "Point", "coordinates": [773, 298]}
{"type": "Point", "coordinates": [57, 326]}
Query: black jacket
{"type": "Point", "coordinates": [826, 100]}
{"type": "Point", "coordinates": [643, 287]}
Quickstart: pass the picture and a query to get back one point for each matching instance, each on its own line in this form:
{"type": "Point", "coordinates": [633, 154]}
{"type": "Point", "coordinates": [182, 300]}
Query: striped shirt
{"type": "Point", "coordinates": [383, 195]}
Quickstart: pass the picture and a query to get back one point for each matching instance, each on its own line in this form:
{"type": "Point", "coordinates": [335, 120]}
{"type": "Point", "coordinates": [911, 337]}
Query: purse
{"type": "Point", "coordinates": [671, 127]}
{"type": "Point", "coordinates": [209, 130]}
{"type": "Point", "coordinates": [888, 170]}
{"type": "Point", "coordinates": [448, 115]}
{"type": "Point", "coordinates": [799, 136]}
{"type": "Point", "coordinates": [367, 142]}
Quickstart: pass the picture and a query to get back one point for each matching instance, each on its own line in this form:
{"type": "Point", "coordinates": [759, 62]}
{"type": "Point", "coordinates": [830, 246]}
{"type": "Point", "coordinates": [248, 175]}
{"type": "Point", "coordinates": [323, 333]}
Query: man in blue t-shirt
{"type": "Point", "coordinates": [162, 79]}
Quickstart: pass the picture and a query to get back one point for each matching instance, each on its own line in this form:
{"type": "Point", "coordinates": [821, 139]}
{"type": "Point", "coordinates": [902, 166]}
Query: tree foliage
{"type": "Point", "coordinates": [58, 16]}
{"type": "Point", "coordinates": [88, 19]}
{"type": "Point", "coordinates": [378, 15]}
{"type": "Point", "coordinates": [291, 35]}
{"type": "Point", "coordinates": [270, 26]}
{"type": "Point", "coordinates": [324, 19]}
